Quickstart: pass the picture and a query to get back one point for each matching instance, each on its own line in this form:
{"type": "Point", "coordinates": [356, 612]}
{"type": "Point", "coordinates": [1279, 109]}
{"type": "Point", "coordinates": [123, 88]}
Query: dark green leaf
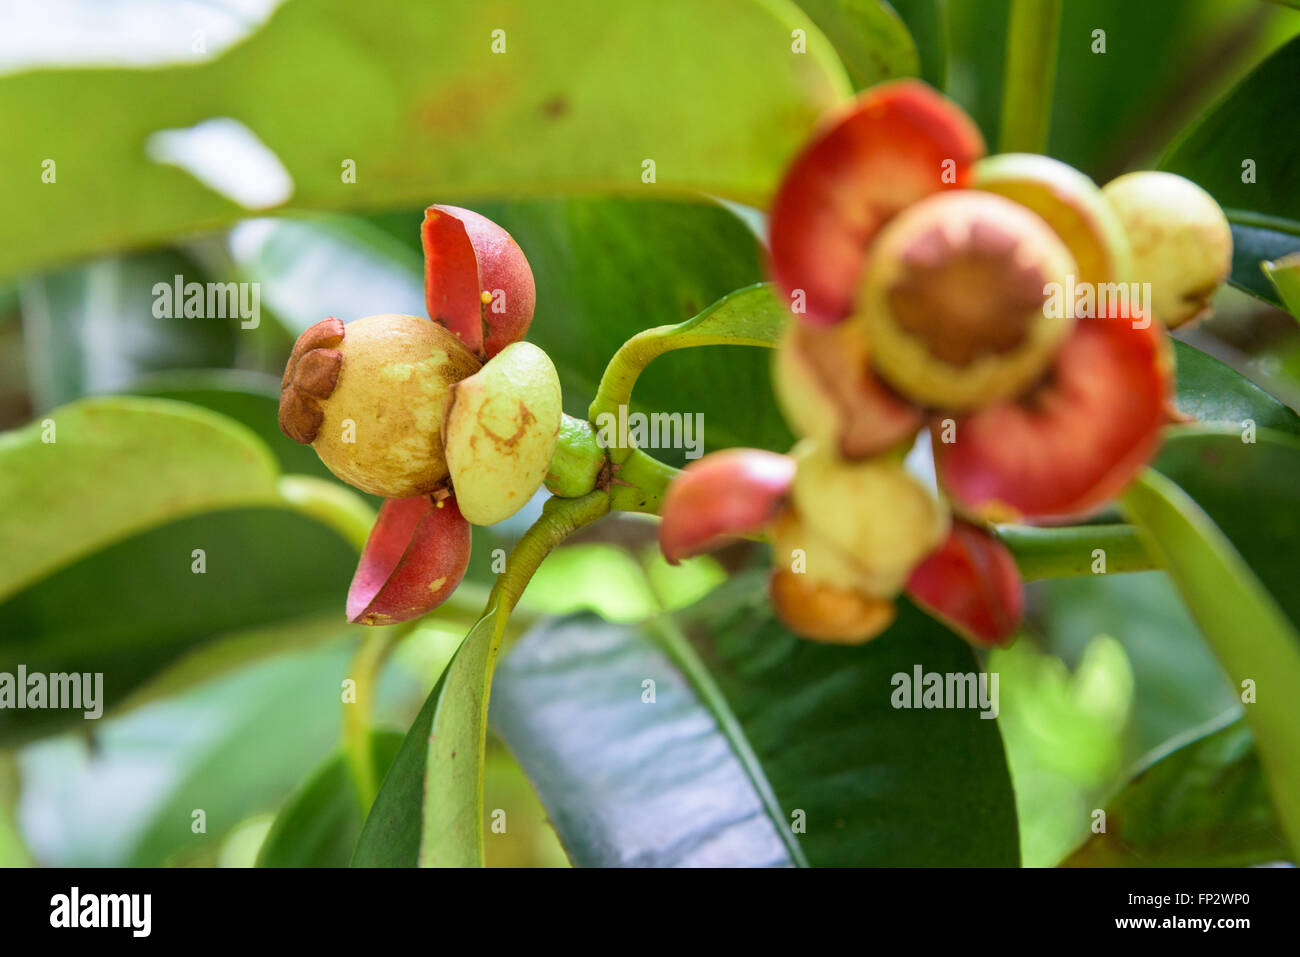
{"type": "Point", "coordinates": [1202, 801]}
{"type": "Point", "coordinates": [927, 22]}
{"type": "Point", "coordinates": [1215, 394]}
{"type": "Point", "coordinates": [750, 726]}
{"type": "Point", "coordinates": [320, 824]}
{"type": "Point", "coordinates": [1256, 126]}
{"type": "Point", "coordinates": [1255, 241]}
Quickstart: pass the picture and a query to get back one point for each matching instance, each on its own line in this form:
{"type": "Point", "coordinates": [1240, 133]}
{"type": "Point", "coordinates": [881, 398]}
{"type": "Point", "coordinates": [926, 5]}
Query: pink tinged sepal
{"type": "Point", "coordinates": [727, 494]}
{"type": "Point", "coordinates": [477, 281]}
{"type": "Point", "coordinates": [413, 560]}
{"type": "Point", "coordinates": [971, 584]}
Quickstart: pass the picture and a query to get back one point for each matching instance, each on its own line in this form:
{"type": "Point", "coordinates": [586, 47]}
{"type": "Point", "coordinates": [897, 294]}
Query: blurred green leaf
{"type": "Point", "coordinates": [927, 22]}
{"type": "Point", "coordinates": [1202, 801]}
{"type": "Point", "coordinates": [869, 37]}
{"type": "Point", "coordinates": [1177, 680]}
{"type": "Point", "coordinates": [99, 470]}
{"type": "Point", "coordinates": [1217, 394]}
{"type": "Point", "coordinates": [748, 726]}
{"type": "Point", "coordinates": [231, 748]}
{"type": "Point", "coordinates": [327, 82]}
{"type": "Point", "coordinates": [250, 398]}
{"type": "Point", "coordinates": [1243, 153]}
{"type": "Point", "coordinates": [135, 609]}
{"type": "Point", "coordinates": [1249, 633]}
{"type": "Point", "coordinates": [91, 329]}
{"type": "Point", "coordinates": [1164, 61]}
{"type": "Point", "coordinates": [320, 824]}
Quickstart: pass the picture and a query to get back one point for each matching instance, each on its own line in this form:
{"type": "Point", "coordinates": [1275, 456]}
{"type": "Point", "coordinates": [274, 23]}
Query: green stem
{"type": "Point", "coordinates": [1074, 551]}
{"type": "Point", "coordinates": [329, 503]}
{"type": "Point", "coordinates": [1033, 38]}
{"type": "Point", "coordinates": [358, 745]}
{"type": "Point", "coordinates": [639, 483]}
{"type": "Point", "coordinates": [615, 389]}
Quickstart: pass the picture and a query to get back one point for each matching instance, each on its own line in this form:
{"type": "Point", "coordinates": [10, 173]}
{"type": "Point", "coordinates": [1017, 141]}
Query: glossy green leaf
{"type": "Point", "coordinates": [1242, 153]}
{"type": "Point", "coordinates": [752, 735]}
{"type": "Point", "coordinates": [1216, 394]}
{"type": "Point", "coordinates": [869, 37]}
{"type": "Point", "coordinates": [426, 781]}
{"type": "Point", "coordinates": [1257, 240]}
{"type": "Point", "coordinates": [94, 472]}
{"type": "Point", "coordinates": [1202, 801]}
{"type": "Point", "coordinates": [1250, 634]}
{"type": "Point", "coordinates": [320, 824]}
{"type": "Point", "coordinates": [329, 87]}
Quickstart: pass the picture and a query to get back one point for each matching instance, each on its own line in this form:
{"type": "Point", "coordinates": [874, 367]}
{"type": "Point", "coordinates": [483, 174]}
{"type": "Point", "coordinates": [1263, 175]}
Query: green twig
{"type": "Point", "coordinates": [1076, 550]}
{"type": "Point", "coordinates": [1033, 38]}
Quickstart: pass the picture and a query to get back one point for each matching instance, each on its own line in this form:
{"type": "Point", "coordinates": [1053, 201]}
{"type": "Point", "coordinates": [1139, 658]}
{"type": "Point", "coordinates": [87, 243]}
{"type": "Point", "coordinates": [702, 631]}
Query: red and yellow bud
{"type": "Point", "coordinates": [413, 560]}
{"type": "Point", "coordinates": [724, 495]}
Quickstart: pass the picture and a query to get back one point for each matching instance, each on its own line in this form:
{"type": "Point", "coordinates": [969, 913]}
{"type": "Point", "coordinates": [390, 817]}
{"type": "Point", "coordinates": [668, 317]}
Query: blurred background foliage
{"type": "Point", "coordinates": [1109, 668]}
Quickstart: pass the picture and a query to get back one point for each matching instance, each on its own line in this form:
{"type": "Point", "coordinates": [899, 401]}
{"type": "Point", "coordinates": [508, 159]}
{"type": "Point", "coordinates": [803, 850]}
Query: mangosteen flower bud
{"type": "Point", "coordinates": [954, 299]}
{"type": "Point", "coordinates": [371, 396]}
{"type": "Point", "coordinates": [726, 494]}
{"type": "Point", "coordinates": [1182, 243]}
{"type": "Point", "coordinates": [876, 520]}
